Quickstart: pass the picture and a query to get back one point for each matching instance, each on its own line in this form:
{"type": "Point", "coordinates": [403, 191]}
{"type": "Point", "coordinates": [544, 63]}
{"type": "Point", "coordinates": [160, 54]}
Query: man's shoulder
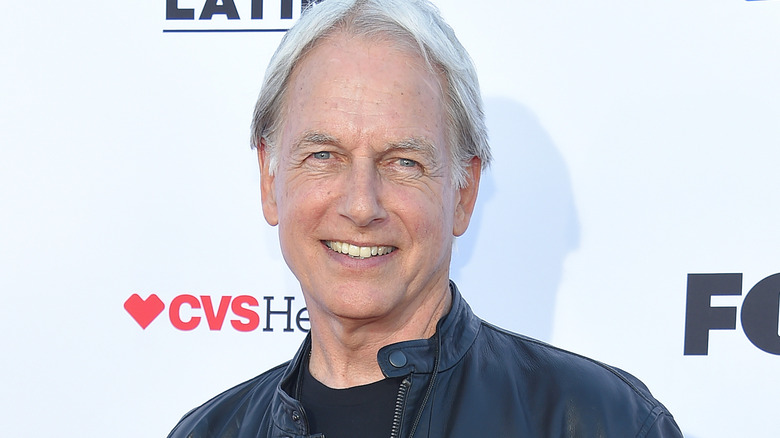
{"type": "Point", "coordinates": [541, 357]}
{"type": "Point", "coordinates": [587, 385]}
{"type": "Point", "coordinates": [229, 409]}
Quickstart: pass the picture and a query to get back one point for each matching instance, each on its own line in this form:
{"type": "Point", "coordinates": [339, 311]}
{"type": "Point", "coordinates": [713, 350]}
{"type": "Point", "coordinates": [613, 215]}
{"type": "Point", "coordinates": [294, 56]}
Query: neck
{"type": "Point", "coordinates": [344, 351]}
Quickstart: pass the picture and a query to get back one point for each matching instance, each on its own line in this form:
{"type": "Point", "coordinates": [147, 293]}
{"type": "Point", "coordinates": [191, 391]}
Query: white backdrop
{"type": "Point", "coordinates": [635, 143]}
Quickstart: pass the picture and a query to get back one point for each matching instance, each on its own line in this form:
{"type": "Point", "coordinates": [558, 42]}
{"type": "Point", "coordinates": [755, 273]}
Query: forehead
{"type": "Point", "coordinates": [363, 86]}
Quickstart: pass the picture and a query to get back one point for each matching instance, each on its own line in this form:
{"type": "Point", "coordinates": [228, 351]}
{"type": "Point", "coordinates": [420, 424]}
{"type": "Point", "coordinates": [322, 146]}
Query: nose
{"type": "Point", "coordinates": [362, 203]}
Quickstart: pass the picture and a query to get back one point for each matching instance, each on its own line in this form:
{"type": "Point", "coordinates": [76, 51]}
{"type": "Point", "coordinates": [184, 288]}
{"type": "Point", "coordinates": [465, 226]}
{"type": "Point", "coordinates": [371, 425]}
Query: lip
{"type": "Point", "coordinates": [364, 251]}
{"type": "Point", "coordinates": [352, 242]}
{"type": "Point", "coordinates": [358, 262]}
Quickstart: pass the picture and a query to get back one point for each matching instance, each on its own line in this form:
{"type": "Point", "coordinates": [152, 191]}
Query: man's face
{"type": "Point", "coordinates": [363, 193]}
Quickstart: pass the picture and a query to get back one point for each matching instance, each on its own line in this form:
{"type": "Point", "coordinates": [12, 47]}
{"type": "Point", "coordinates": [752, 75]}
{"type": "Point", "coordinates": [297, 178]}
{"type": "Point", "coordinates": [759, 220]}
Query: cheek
{"type": "Point", "coordinates": [427, 214]}
{"type": "Point", "coordinates": [302, 209]}
{"type": "Point", "coordinates": [299, 199]}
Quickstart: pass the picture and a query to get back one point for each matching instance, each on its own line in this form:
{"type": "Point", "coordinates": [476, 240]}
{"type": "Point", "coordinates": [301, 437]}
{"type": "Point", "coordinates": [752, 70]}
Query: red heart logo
{"type": "Point", "coordinates": [144, 311]}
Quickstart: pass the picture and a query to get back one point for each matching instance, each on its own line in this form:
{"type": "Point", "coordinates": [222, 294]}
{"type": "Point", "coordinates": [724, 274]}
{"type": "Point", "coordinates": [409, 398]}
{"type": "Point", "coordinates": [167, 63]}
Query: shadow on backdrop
{"type": "Point", "coordinates": [508, 265]}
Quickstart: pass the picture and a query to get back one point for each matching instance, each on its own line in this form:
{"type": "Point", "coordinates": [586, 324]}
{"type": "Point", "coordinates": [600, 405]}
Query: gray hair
{"type": "Point", "coordinates": [416, 23]}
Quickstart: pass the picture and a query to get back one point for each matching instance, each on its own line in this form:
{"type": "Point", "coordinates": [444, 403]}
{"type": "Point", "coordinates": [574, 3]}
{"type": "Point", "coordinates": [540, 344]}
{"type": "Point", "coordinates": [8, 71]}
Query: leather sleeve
{"type": "Point", "coordinates": [664, 427]}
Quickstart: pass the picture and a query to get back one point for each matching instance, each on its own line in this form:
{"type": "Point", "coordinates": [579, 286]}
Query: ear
{"type": "Point", "coordinates": [267, 186]}
{"type": "Point", "coordinates": [466, 197]}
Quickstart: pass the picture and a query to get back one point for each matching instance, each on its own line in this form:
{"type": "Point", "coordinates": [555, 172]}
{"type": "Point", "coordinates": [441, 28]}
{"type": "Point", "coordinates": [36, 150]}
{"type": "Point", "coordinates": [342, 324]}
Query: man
{"type": "Point", "coordinates": [371, 142]}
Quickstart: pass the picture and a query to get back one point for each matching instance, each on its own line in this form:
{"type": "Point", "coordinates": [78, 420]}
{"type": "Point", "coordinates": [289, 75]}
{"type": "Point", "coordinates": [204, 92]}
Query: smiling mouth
{"type": "Point", "coordinates": [358, 252]}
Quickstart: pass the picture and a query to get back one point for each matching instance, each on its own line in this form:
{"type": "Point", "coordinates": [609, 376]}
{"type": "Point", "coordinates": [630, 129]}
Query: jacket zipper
{"type": "Point", "coordinates": [400, 401]}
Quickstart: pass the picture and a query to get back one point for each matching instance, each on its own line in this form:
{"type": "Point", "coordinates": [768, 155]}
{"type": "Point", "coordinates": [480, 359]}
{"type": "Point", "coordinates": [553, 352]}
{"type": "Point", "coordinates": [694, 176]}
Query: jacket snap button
{"type": "Point", "coordinates": [296, 416]}
{"type": "Point", "coordinates": [397, 359]}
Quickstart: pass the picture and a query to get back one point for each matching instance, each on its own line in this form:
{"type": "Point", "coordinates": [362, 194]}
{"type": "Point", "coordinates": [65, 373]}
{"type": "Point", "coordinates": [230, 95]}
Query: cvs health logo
{"type": "Point", "coordinates": [187, 312]}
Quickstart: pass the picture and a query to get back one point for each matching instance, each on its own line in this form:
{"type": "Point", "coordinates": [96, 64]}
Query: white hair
{"type": "Point", "coordinates": [413, 23]}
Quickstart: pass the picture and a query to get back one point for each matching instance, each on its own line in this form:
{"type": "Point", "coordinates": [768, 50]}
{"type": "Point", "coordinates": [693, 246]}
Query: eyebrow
{"type": "Point", "coordinates": [415, 144]}
{"type": "Point", "coordinates": [315, 137]}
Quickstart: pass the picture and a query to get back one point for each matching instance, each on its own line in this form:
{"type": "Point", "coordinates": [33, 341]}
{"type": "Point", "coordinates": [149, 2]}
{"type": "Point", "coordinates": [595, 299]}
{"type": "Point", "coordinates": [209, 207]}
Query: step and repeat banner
{"type": "Point", "coordinates": [631, 215]}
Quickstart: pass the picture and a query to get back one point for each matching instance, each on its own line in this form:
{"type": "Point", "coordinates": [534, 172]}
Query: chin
{"type": "Point", "coordinates": [362, 305]}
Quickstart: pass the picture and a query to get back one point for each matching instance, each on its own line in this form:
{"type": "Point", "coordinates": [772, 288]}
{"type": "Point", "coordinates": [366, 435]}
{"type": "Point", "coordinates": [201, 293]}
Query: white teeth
{"type": "Point", "coordinates": [362, 252]}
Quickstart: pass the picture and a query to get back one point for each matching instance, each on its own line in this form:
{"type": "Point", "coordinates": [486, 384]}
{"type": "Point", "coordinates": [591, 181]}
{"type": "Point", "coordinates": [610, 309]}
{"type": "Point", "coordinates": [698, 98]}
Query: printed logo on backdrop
{"type": "Point", "coordinates": [232, 15]}
{"type": "Point", "coordinates": [243, 313]}
{"type": "Point", "coordinates": [760, 314]}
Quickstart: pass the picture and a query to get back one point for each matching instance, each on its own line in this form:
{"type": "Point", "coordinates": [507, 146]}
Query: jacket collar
{"type": "Point", "coordinates": [456, 332]}
{"type": "Point", "coordinates": [288, 414]}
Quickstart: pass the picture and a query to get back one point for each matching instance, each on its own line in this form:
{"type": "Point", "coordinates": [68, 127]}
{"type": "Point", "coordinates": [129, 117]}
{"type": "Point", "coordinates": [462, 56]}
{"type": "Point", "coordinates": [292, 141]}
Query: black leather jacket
{"type": "Point", "coordinates": [471, 379]}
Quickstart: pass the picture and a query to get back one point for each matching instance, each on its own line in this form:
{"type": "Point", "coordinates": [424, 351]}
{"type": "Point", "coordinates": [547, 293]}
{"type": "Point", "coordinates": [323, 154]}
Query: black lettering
{"type": "Point", "coordinates": [270, 312]}
{"type": "Point", "coordinates": [172, 11]}
{"type": "Point", "coordinates": [760, 314]}
{"type": "Point", "coordinates": [211, 8]}
{"type": "Point", "coordinates": [257, 9]}
{"type": "Point", "coordinates": [701, 317]}
{"type": "Point", "coordinates": [300, 318]}
{"type": "Point", "coordinates": [286, 9]}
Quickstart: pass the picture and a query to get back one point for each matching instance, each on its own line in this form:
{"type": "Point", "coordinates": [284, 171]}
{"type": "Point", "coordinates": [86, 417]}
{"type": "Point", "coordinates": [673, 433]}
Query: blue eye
{"type": "Point", "coordinates": [323, 155]}
{"type": "Point", "coordinates": [405, 162]}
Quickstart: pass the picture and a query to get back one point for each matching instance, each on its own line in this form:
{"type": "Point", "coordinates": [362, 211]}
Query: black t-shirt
{"type": "Point", "coordinates": [362, 411]}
